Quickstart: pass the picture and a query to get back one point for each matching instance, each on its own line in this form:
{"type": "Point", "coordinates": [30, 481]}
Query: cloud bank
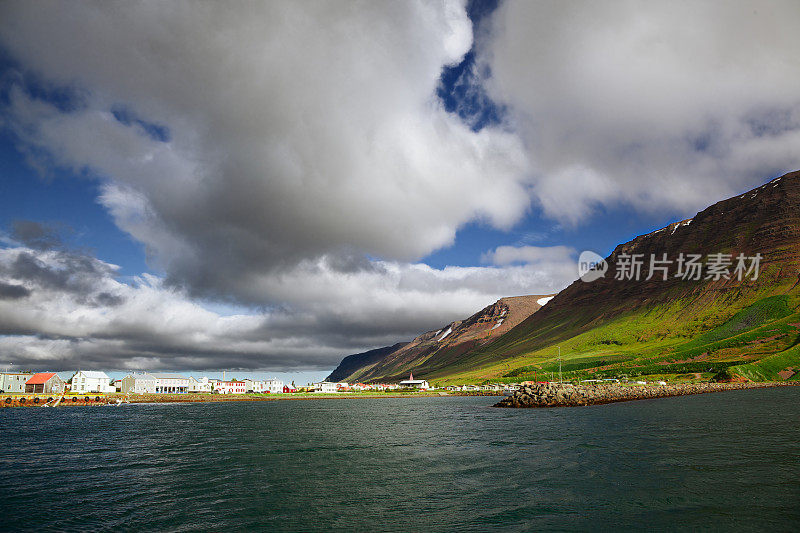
{"type": "Point", "coordinates": [63, 309]}
{"type": "Point", "coordinates": [653, 105]}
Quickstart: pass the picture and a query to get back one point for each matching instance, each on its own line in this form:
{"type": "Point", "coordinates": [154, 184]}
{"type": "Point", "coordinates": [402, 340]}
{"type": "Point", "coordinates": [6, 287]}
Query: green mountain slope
{"type": "Point", "coordinates": [674, 328]}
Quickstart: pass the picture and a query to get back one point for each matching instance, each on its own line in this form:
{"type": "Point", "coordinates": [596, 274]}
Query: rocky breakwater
{"type": "Point", "coordinates": [565, 395]}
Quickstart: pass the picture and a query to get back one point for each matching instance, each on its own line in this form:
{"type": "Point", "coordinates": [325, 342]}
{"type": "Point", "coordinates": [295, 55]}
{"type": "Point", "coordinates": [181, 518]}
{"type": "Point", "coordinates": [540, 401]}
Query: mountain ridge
{"type": "Point", "coordinates": [390, 363]}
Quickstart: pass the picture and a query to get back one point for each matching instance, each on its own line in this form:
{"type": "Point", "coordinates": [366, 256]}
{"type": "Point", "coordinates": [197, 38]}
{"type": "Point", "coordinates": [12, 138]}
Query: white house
{"type": "Point", "coordinates": [270, 386]}
{"type": "Point", "coordinates": [138, 384]}
{"type": "Point", "coordinates": [86, 381]}
{"type": "Point", "coordinates": [13, 381]}
{"type": "Point", "coordinates": [155, 383]}
{"type": "Point", "coordinates": [252, 385]}
{"type": "Point", "coordinates": [273, 386]}
{"type": "Point", "coordinates": [171, 383]}
{"type": "Point", "coordinates": [199, 384]}
{"type": "Point", "coordinates": [325, 386]}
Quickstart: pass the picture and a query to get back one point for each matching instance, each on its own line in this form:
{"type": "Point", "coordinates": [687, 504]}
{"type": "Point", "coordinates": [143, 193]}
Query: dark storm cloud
{"type": "Point", "coordinates": [10, 291]}
{"type": "Point", "coordinates": [36, 235]}
{"type": "Point", "coordinates": [73, 273]}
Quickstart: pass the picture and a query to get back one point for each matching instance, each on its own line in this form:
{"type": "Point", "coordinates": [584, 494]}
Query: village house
{"type": "Point", "coordinates": [171, 383]}
{"type": "Point", "coordinates": [273, 386]}
{"type": "Point", "coordinates": [86, 381]}
{"type": "Point", "coordinates": [269, 386]}
{"type": "Point", "coordinates": [13, 382]}
{"type": "Point", "coordinates": [155, 383]}
{"type": "Point", "coordinates": [230, 387]}
{"type": "Point", "coordinates": [138, 384]}
{"type": "Point", "coordinates": [324, 386]}
{"type": "Point", "coordinates": [252, 385]}
{"type": "Point", "coordinates": [199, 384]}
{"type": "Point", "coordinates": [45, 383]}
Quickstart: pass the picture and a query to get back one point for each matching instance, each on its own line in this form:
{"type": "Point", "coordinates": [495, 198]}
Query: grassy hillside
{"type": "Point", "coordinates": [757, 337]}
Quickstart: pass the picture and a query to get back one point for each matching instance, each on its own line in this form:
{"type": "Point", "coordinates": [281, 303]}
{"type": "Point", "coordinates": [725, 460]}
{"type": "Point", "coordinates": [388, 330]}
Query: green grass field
{"type": "Point", "coordinates": [756, 337]}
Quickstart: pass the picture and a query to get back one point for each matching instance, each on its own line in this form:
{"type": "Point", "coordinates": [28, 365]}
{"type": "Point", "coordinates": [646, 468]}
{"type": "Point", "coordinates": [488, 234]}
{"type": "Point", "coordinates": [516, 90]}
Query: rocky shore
{"type": "Point", "coordinates": [567, 395]}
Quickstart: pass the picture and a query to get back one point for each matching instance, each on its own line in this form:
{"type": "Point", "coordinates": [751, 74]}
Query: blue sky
{"type": "Point", "coordinates": [210, 188]}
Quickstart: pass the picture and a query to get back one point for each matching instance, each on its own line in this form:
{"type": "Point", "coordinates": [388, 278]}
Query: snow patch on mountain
{"type": "Point", "coordinates": [542, 301]}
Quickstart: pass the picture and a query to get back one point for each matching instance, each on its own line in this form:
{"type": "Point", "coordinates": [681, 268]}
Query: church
{"type": "Point", "coordinates": [412, 383]}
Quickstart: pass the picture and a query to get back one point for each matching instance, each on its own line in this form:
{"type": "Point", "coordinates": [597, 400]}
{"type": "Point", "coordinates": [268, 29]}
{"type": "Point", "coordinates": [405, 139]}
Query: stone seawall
{"type": "Point", "coordinates": [566, 395]}
{"type": "Point", "coordinates": [39, 400]}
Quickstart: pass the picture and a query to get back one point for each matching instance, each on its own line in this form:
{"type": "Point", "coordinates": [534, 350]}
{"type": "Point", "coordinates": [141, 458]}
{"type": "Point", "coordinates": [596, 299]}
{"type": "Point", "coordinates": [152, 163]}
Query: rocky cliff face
{"type": "Point", "coordinates": [441, 346]}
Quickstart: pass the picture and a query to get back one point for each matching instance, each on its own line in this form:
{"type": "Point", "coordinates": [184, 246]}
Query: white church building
{"type": "Point", "coordinates": [412, 383]}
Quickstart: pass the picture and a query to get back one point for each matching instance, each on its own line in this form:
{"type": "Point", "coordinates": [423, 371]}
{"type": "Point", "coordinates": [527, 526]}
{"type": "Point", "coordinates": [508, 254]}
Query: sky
{"type": "Point", "coordinates": [266, 187]}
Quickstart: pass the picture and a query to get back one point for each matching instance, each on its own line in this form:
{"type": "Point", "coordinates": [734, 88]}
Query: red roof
{"type": "Point", "coordinates": [40, 378]}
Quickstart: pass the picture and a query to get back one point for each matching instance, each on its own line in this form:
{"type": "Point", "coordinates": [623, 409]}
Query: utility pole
{"type": "Point", "coordinates": [559, 365]}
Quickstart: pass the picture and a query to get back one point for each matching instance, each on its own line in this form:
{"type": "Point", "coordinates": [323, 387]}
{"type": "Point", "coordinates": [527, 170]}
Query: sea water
{"type": "Point", "coordinates": [714, 461]}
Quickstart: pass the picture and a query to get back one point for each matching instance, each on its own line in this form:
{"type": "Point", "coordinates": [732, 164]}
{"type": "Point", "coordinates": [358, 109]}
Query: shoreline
{"type": "Point", "coordinates": [540, 395]}
{"type": "Point", "coordinates": [100, 400]}
{"type": "Point", "coordinates": [543, 395]}
{"type": "Point", "coordinates": [221, 398]}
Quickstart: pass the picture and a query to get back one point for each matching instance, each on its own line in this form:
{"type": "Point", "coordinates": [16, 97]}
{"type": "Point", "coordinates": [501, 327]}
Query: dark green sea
{"type": "Point", "coordinates": [710, 462]}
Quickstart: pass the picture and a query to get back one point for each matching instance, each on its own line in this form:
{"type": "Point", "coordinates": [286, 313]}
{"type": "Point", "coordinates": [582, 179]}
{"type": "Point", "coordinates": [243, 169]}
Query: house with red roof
{"type": "Point", "coordinates": [45, 383]}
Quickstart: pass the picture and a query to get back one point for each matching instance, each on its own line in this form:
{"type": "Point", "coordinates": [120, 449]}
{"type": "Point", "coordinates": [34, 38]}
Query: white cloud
{"type": "Point", "coordinates": [506, 255]}
{"type": "Point", "coordinates": [658, 105]}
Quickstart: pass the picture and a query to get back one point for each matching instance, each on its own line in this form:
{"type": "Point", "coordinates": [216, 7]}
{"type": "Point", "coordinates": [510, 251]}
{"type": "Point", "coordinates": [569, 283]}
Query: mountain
{"type": "Point", "coordinates": [440, 348]}
{"type": "Point", "coordinates": [676, 329]}
{"type": "Point", "coordinates": [353, 363]}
